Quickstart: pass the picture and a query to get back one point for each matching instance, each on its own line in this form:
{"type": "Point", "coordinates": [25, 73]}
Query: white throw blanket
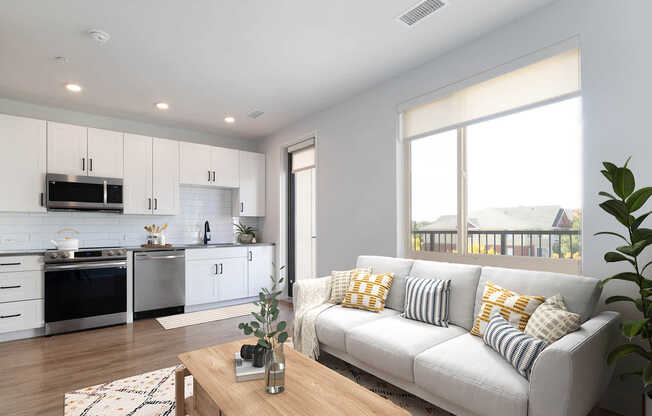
{"type": "Point", "coordinates": [311, 299]}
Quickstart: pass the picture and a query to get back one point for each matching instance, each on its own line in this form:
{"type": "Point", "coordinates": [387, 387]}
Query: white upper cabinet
{"type": "Point", "coordinates": [105, 153]}
{"type": "Point", "coordinates": [196, 164]}
{"type": "Point", "coordinates": [77, 150]}
{"type": "Point", "coordinates": [67, 149]}
{"type": "Point", "coordinates": [137, 187]}
{"type": "Point", "coordinates": [165, 177]}
{"type": "Point", "coordinates": [22, 164]}
{"type": "Point", "coordinates": [225, 167]}
{"type": "Point", "coordinates": [251, 195]}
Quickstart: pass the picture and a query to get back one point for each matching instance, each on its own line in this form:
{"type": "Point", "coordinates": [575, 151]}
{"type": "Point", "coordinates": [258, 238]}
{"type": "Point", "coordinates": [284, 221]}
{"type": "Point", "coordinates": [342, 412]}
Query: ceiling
{"type": "Point", "coordinates": [212, 58]}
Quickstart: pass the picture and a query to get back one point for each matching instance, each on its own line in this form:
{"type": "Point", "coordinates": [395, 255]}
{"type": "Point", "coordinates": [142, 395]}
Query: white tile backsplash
{"type": "Point", "coordinates": [22, 231]}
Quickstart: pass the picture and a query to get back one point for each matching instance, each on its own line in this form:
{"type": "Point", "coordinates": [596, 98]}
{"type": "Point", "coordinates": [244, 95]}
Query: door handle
{"type": "Point", "coordinates": [83, 164]}
{"type": "Point", "coordinates": [149, 203]}
{"type": "Point", "coordinates": [11, 287]}
{"type": "Point", "coordinates": [10, 316]}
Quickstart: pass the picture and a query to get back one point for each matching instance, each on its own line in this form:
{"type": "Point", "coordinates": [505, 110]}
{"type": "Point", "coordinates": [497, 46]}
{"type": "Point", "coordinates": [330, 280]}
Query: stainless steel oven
{"type": "Point", "coordinates": [85, 193]}
{"type": "Point", "coordinates": [85, 289]}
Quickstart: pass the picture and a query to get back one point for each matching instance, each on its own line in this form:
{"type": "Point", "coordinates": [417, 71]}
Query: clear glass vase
{"type": "Point", "coordinates": [275, 369]}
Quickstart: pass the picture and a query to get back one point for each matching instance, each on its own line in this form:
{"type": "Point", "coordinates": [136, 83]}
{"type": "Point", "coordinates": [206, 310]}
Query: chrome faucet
{"type": "Point", "coordinates": [207, 233]}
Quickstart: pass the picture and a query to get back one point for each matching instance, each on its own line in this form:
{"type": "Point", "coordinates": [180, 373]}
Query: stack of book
{"type": "Point", "coordinates": [245, 370]}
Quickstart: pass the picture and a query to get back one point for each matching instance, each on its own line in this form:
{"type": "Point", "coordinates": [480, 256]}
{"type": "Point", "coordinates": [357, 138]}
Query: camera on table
{"type": "Point", "coordinates": [255, 353]}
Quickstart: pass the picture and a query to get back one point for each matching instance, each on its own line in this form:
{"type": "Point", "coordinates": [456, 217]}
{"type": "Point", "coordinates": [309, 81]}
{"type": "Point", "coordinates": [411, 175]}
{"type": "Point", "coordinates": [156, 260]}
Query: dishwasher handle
{"type": "Point", "coordinates": [148, 257]}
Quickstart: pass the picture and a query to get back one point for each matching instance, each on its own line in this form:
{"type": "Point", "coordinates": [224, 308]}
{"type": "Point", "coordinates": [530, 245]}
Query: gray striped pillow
{"type": "Point", "coordinates": [426, 300]}
{"type": "Point", "coordinates": [520, 349]}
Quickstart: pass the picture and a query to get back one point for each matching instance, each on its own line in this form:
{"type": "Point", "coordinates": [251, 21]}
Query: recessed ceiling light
{"type": "Point", "coordinates": [229, 119]}
{"type": "Point", "coordinates": [162, 106]}
{"type": "Point", "coordinates": [99, 35]}
{"type": "Point", "coordinates": [73, 87]}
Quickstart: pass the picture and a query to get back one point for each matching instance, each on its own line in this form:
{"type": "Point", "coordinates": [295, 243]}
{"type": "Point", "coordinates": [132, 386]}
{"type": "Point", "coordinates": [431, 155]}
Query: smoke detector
{"type": "Point", "coordinates": [420, 11]}
{"type": "Point", "coordinates": [255, 114]}
{"type": "Point", "coordinates": [99, 35]}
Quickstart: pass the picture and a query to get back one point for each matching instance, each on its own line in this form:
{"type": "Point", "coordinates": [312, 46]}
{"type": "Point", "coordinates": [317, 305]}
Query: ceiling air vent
{"type": "Point", "coordinates": [420, 11]}
{"type": "Point", "coordinates": [255, 114]}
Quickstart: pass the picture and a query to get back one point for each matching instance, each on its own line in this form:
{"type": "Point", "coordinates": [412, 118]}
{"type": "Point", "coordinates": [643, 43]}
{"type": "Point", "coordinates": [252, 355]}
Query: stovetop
{"type": "Point", "coordinates": [85, 254]}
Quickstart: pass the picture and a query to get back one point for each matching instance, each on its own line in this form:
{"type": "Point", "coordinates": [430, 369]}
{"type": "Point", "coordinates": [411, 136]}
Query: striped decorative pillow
{"type": "Point", "coordinates": [340, 281]}
{"type": "Point", "coordinates": [368, 291]}
{"type": "Point", "coordinates": [426, 300]}
{"type": "Point", "coordinates": [520, 349]}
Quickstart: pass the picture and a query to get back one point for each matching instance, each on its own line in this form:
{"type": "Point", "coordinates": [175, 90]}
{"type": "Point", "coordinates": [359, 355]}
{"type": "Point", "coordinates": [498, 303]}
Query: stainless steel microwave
{"type": "Point", "coordinates": [83, 193]}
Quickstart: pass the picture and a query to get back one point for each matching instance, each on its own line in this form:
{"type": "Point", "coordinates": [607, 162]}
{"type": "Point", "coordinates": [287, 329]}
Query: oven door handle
{"type": "Point", "coordinates": [87, 266]}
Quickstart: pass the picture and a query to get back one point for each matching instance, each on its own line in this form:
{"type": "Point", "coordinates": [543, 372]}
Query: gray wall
{"type": "Point", "coordinates": [356, 154]}
{"type": "Point", "coordinates": [21, 108]}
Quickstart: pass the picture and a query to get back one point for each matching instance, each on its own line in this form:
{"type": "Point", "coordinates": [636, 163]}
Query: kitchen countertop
{"type": "Point", "coordinates": [39, 252]}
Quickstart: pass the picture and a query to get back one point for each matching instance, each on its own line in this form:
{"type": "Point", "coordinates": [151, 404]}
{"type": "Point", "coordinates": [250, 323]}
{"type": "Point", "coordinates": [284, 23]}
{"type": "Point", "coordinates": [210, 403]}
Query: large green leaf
{"type": "Point", "coordinates": [612, 299]}
{"type": "Point", "coordinates": [635, 249]}
{"type": "Point", "coordinates": [629, 276]}
{"type": "Point", "coordinates": [638, 221]}
{"type": "Point", "coordinates": [612, 233]}
{"type": "Point", "coordinates": [626, 349]}
{"type": "Point", "coordinates": [639, 198]}
{"type": "Point", "coordinates": [612, 257]}
{"type": "Point", "coordinates": [607, 194]}
{"type": "Point", "coordinates": [611, 168]}
{"type": "Point", "coordinates": [633, 328]}
{"type": "Point", "coordinates": [281, 326]}
{"type": "Point", "coordinates": [624, 182]}
{"type": "Point", "coordinates": [282, 337]}
{"type": "Point", "coordinates": [641, 234]}
{"type": "Point", "coordinates": [618, 209]}
{"type": "Point", "coordinates": [645, 267]}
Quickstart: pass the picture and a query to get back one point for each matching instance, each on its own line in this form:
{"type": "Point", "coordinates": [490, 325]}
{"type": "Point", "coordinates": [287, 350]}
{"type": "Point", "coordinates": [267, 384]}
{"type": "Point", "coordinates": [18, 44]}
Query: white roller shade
{"type": "Point", "coordinates": [303, 159]}
{"type": "Point", "coordinates": [540, 82]}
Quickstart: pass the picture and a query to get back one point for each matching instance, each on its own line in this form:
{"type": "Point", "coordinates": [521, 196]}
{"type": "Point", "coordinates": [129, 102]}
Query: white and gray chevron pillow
{"type": "Point", "coordinates": [551, 320]}
{"type": "Point", "coordinates": [520, 349]}
{"type": "Point", "coordinates": [426, 300]}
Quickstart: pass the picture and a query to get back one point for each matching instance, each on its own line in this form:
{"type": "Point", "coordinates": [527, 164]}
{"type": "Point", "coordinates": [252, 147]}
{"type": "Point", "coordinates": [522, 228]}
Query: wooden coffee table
{"type": "Point", "coordinates": [310, 388]}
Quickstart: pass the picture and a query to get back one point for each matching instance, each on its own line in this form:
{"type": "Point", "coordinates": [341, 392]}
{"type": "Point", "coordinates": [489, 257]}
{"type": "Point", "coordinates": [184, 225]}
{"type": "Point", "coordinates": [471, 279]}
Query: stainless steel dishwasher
{"type": "Point", "coordinates": [159, 283]}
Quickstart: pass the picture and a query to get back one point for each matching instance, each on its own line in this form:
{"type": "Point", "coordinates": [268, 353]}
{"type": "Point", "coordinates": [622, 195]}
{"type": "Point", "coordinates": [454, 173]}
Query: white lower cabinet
{"type": "Point", "coordinates": [225, 274]}
{"type": "Point", "coordinates": [21, 294]}
{"type": "Point", "coordinates": [19, 316]}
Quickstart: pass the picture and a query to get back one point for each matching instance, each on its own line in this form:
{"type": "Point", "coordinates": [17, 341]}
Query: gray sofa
{"type": "Point", "coordinates": [456, 371]}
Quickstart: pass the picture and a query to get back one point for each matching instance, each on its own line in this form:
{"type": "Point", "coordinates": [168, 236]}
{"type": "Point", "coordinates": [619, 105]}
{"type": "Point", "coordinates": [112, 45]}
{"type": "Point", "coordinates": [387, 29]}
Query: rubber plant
{"type": "Point", "coordinates": [264, 328]}
{"type": "Point", "coordinates": [623, 206]}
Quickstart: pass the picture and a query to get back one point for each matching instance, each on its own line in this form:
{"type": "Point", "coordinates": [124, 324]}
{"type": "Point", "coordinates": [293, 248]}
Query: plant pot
{"type": "Point", "coordinates": [245, 238]}
{"type": "Point", "coordinates": [275, 370]}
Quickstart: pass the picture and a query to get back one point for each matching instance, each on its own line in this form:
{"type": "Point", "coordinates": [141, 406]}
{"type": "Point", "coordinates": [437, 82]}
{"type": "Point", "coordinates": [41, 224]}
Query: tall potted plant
{"type": "Point", "coordinates": [271, 335]}
{"type": "Point", "coordinates": [623, 206]}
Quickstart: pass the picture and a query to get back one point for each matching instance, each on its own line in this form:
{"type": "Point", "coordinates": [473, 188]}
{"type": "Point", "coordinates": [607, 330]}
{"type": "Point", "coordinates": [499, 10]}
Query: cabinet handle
{"type": "Point", "coordinates": [155, 203]}
{"type": "Point", "coordinates": [90, 164]}
{"type": "Point", "coordinates": [42, 196]}
{"type": "Point", "coordinates": [209, 176]}
{"type": "Point", "coordinates": [149, 203]}
{"type": "Point", "coordinates": [10, 264]}
{"type": "Point", "coordinates": [241, 206]}
{"type": "Point", "coordinates": [213, 176]}
{"type": "Point", "coordinates": [10, 316]}
{"type": "Point", "coordinates": [10, 287]}
{"type": "Point", "coordinates": [83, 164]}
{"type": "Point", "coordinates": [221, 268]}
{"type": "Point", "coordinates": [251, 255]}
{"type": "Point", "coordinates": [216, 272]}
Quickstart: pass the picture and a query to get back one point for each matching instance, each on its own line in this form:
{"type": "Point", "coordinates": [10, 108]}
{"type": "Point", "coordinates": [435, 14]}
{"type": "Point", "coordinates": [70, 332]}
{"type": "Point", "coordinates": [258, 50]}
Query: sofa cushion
{"type": "Point", "coordinates": [464, 283]}
{"type": "Point", "coordinates": [471, 375]}
{"type": "Point", "coordinates": [580, 293]}
{"type": "Point", "coordinates": [392, 343]}
{"type": "Point", "coordinates": [333, 324]}
{"type": "Point", "coordinates": [400, 268]}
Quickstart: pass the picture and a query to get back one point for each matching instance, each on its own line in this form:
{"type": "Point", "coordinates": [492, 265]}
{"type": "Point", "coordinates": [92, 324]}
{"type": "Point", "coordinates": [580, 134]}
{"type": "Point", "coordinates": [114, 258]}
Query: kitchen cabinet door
{"type": "Point", "coordinates": [201, 282]}
{"type": "Point", "coordinates": [105, 153]}
{"type": "Point", "coordinates": [22, 164]}
{"type": "Point", "coordinates": [67, 149]}
{"type": "Point", "coordinates": [232, 278]}
{"type": "Point", "coordinates": [224, 167]}
{"type": "Point", "coordinates": [137, 189]}
{"type": "Point", "coordinates": [251, 200]}
{"type": "Point", "coordinates": [196, 164]}
{"type": "Point", "coordinates": [166, 177]}
{"type": "Point", "coordinates": [260, 268]}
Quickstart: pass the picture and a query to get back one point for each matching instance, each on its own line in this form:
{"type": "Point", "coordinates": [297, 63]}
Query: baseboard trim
{"type": "Point", "coordinates": [24, 334]}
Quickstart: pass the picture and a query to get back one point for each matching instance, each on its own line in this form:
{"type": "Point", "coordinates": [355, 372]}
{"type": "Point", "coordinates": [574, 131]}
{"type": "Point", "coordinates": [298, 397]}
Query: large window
{"type": "Point", "coordinates": [504, 187]}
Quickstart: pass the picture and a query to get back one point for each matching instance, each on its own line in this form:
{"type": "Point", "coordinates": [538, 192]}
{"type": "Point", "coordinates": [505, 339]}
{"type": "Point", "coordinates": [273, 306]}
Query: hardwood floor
{"type": "Point", "coordinates": [36, 373]}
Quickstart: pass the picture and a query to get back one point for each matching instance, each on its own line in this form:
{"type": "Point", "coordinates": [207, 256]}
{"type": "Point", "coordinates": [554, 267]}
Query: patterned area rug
{"type": "Point", "coordinates": [152, 394]}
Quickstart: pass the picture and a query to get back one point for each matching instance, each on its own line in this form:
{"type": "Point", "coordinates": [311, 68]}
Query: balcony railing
{"type": "Point", "coordinates": [530, 243]}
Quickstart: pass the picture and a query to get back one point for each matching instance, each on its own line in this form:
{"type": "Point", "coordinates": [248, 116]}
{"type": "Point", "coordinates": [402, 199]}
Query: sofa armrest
{"type": "Point", "coordinates": [571, 374]}
{"type": "Point", "coordinates": [310, 293]}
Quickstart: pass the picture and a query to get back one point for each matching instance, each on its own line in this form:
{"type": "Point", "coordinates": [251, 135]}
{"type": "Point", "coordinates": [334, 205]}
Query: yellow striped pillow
{"type": "Point", "coordinates": [368, 291]}
{"type": "Point", "coordinates": [515, 308]}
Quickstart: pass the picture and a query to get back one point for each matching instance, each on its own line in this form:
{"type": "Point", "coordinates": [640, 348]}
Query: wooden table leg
{"type": "Point", "coordinates": [180, 389]}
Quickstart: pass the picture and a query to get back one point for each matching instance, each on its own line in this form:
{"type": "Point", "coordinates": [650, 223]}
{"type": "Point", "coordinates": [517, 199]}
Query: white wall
{"type": "Point", "coordinates": [356, 153]}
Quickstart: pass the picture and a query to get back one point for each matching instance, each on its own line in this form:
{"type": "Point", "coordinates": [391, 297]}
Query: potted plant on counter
{"type": "Point", "coordinates": [622, 207]}
{"type": "Point", "coordinates": [245, 233]}
{"type": "Point", "coordinates": [271, 335]}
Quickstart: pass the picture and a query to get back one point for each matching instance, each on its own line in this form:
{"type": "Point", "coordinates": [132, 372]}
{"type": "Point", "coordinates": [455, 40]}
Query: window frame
{"type": "Point", "coordinates": [560, 265]}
